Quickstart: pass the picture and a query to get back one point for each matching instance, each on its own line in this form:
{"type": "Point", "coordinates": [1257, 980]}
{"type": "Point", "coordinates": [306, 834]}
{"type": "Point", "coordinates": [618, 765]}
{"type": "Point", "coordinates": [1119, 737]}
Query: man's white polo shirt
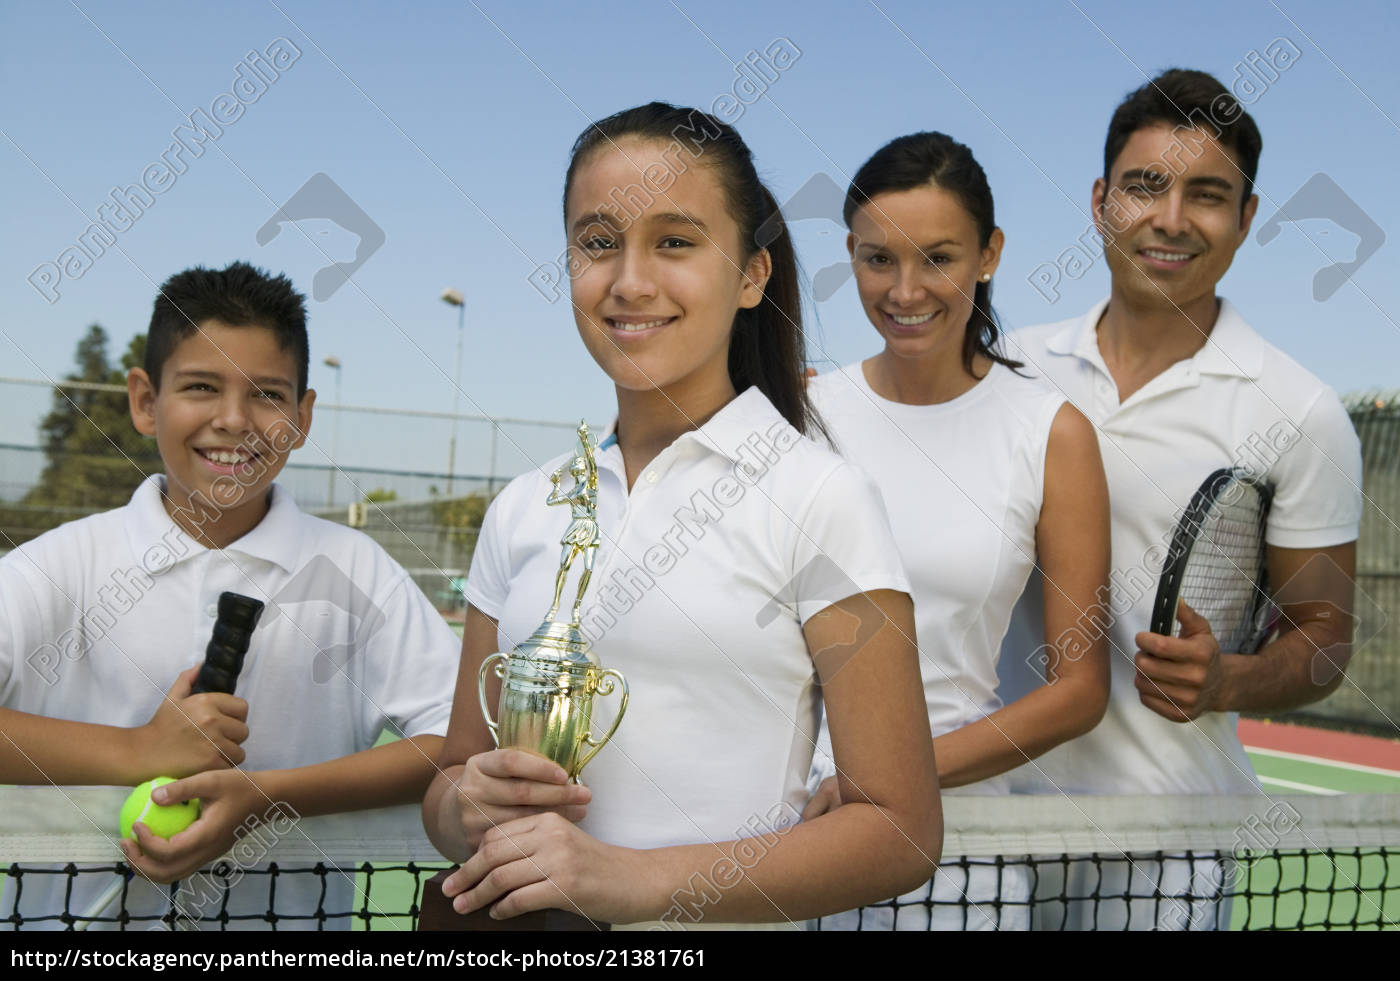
{"type": "Point", "coordinates": [1238, 402]}
{"type": "Point", "coordinates": [730, 539]}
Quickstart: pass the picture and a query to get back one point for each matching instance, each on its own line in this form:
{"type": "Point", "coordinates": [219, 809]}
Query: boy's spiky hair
{"type": "Point", "coordinates": [239, 296]}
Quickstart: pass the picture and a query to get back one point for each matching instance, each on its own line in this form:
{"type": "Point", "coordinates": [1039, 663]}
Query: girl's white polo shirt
{"type": "Point", "coordinates": [734, 536]}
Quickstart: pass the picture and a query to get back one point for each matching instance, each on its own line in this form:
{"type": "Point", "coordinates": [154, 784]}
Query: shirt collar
{"type": "Point", "coordinates": [1080, 338]}
{"type": "Point", "coordinates": [748, 418]}
{"type": "Point", "coordinates": [727, 432]}
{"type": "Point", "coordinates": [276, 538]}
{"type": "Point", "coordinates": [1233, 347]}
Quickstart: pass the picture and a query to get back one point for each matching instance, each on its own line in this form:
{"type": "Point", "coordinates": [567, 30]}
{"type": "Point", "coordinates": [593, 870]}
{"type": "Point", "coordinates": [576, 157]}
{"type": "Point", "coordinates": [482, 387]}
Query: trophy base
{"type": "Point", "coordinates": [435, 913]}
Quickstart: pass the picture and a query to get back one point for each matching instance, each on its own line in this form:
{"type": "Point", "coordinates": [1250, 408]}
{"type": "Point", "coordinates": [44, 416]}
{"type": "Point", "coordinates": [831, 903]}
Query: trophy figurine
{"type": "Point", "coordinates": [548, 682]}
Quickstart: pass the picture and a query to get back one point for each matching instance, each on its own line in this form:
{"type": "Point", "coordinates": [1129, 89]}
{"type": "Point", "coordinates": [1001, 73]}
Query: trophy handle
{"type": "Point", "coordinates": [605, 687]}
{"type": "Point", "coordinates": [481, 694]}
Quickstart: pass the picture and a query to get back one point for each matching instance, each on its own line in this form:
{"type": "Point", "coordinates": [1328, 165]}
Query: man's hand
{"type": "Point", "coordinates": [191, 733]}
{"type": "Point", "coordinates": [227, 799]}
{"type": "Point", "coordinates": [1180, 678]}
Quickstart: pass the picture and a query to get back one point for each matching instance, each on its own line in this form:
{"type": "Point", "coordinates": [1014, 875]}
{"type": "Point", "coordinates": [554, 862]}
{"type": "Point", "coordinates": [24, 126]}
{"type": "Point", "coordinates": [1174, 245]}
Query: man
{"type": "Point", "coordinates": [1178, 385]}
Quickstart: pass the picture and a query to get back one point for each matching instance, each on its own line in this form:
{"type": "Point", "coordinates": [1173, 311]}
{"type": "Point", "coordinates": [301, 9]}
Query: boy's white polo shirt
{"type": "Point", "coordinates": [731, 538]}
{"type": "Point", "coordinates": [99, 617]}
{"type": "Point", "coordinates": [1238, 402]}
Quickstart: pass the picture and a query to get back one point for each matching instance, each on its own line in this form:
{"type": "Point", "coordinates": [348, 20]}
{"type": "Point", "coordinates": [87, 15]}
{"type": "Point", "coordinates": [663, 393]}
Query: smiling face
{"type": "Point", "coordinates": [225, 417]}
{"type": "Point", "coordinates": [665, 272]}
{"type": "Point", "coordinates": [918, 259]}
{"type": "Point", "coordinates": [1171, 233]}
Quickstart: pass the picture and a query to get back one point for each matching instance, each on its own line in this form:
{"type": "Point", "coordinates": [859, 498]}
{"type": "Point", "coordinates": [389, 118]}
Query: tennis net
{"type": "Point", "coordinates": [1270, 862]}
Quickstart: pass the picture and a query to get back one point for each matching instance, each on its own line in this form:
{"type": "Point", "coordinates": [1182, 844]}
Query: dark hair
{"type": "Point", "coordinates": [918, 160]}
{"type": "Point", "coordinates": [239, 296]}
{"type": "Point", "coordinates": [1183, 97]}
{"type": "Point", "coordinates": [767, 347]}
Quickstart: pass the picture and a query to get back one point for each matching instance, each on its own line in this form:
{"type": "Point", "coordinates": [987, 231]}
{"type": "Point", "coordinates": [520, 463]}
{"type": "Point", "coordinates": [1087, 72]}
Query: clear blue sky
{"type": "Point", "coordinates": [450, 124]}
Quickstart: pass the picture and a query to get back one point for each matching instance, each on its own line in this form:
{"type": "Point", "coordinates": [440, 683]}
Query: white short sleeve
{"type": "Point", "coordinates": [1317, 492]}
{"type": "Point", "coordinates": [34, 612]}
{"type": "Point", "coordinates": [409, 659]}
{"type": "Point", "coordinates": [844, 545]}
{"type": "Point", "coordinates": [13, 596]}
{"type": "Point", "coordinates": [488, 580]}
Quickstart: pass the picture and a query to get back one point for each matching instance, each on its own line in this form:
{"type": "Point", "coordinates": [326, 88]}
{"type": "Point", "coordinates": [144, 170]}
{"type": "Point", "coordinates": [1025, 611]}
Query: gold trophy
{"type": "Point", "coordinates": [548, 682]}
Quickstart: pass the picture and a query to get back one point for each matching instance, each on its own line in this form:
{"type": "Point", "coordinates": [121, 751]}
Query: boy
{"type": "Point", "coordinates": [104, 621]}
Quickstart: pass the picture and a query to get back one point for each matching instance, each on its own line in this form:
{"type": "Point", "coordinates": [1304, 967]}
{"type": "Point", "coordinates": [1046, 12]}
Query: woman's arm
{"type": "Point", "coordinates": [478, 786]}
{"type": "Point", "coordinates": [1072, 546]}
{"type": "Point", "coordinates": [885, 842]}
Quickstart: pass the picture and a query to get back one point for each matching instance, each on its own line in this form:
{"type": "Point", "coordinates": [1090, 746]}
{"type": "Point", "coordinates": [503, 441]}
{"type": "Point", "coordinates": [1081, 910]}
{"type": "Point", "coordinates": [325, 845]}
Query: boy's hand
{"type": "Point", "coordinates": [191, 733]}
{"type": "Point", "coordinates": [227, 799]}
{"type": "Point", "coordinates": [506, 784]}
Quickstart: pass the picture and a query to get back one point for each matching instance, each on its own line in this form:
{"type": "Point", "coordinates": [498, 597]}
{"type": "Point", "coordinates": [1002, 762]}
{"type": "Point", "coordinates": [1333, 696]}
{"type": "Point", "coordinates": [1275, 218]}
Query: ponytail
{"type": "Point", "coordinates": [768, 347]}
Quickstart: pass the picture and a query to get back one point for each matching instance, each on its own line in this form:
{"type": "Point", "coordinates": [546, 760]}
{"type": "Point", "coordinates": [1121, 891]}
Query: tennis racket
{"type": "Point", "coordinates": [223, 658]}
{"type": "Point", "coordinates": [223, 662]}
{"type": "Point", "coordinates": [1216, 562]}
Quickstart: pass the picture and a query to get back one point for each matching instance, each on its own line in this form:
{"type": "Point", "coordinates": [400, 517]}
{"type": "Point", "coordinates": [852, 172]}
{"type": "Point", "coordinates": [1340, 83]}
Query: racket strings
{"type": "Point", "coordinates": [1223, 577]}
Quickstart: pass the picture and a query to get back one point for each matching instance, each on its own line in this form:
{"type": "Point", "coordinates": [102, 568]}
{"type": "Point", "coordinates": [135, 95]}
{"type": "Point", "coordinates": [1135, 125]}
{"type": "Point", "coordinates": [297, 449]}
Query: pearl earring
{"type": "Point", "coordinates": [986, 277]}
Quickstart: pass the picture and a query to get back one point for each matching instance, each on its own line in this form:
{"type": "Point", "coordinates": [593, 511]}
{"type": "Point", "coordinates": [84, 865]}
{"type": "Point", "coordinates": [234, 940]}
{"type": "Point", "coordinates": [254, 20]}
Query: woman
{"type": "Point", "coordinates": [713, 588]}
{"type": "Point", "coordinates": [986, 473]}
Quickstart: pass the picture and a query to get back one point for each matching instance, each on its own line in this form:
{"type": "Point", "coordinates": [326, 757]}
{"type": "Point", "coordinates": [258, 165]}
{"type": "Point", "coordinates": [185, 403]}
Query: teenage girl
{"type": "Point", "coordinates": [746, 576]}
{"type": "Point", "coordinates": [985, 473]}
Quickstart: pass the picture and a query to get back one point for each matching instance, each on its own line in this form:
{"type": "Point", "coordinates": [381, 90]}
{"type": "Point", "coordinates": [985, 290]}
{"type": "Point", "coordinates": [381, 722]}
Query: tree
{"type": "Point", "coordinates": [461, 516]}
{"type": "Point", "coordinates": [95, 456]}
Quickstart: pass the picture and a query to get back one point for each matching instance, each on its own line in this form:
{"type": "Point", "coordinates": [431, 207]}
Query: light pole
{"type": "Point", "coordinates": [454, 297]}
{"type": "Point", "coordinates": [333, 362]}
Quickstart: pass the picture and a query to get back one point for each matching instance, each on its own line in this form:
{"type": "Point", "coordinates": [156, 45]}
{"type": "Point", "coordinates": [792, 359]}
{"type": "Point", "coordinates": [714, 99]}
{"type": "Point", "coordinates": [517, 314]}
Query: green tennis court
{"type": "Point", "coordinates": [1321, 891]}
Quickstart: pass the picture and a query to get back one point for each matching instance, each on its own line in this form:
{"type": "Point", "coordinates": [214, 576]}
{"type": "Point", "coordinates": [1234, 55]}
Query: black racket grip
{"type": "Point", "coordinates": [223, 658]}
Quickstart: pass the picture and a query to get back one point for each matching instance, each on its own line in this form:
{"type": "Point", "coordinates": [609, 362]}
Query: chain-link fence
{"type": "Point", "coordinates": [1369, 698]}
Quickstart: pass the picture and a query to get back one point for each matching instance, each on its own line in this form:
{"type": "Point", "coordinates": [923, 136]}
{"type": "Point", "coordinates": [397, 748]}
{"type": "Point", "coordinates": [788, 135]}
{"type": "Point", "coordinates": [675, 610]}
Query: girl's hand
{"type": "Point", "coordinates": [227, 798]}
{"type": "Point", "coordinates": [545, 862]}
{"type": "Point", "coordinates": [505, 785]}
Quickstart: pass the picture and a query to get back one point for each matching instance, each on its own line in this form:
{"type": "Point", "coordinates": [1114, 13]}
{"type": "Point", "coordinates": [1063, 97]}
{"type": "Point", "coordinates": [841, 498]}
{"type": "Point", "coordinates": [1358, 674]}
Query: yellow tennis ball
{"type": "Point", "coordinates": [164, 820]}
